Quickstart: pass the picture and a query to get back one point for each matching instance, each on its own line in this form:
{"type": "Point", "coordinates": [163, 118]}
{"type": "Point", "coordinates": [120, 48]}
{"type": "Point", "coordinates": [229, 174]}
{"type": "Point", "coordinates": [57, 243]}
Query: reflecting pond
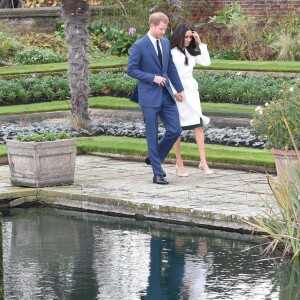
{"type": "Point", "coordinates": [60, 254]}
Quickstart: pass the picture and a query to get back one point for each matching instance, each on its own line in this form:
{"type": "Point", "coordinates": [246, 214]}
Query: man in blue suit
{"type": "Point", "coordinates": [150, 62]}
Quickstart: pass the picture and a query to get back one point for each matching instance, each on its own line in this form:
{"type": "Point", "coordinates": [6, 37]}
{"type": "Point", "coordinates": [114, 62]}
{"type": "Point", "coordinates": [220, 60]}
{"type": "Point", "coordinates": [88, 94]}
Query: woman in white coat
{"type": "Point", "coordinates": [187, 51]}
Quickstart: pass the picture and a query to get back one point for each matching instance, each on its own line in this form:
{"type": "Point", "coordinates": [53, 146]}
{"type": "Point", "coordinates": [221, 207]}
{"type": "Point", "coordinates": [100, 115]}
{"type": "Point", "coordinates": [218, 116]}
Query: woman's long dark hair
{"type": "Point", "coordinates": [177, 40]}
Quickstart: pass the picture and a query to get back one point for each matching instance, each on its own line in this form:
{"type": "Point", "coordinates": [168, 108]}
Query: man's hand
{"type": "Point", "coordinates": [161, 81]}
{"type": "Point", "coordinates": [180, 97]}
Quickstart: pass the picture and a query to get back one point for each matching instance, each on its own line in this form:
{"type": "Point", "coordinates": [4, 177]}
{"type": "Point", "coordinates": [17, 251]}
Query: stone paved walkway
{"type": "Point", "coordinates": [114, 185]}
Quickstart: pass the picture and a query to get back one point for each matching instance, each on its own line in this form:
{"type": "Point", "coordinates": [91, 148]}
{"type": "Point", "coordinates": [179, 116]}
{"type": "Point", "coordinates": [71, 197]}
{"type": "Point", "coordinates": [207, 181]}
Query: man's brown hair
{"type": "Point", "coordinates": [158, 17]}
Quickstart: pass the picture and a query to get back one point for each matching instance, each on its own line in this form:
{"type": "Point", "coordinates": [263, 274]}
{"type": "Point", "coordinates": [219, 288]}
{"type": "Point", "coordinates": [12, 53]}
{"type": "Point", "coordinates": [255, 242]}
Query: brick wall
{"type": "Point", "coordinates": [201, 9]}
{"type": "Point", "coordinates": [21, 21]}
{"type": "Point", "coordinates": [266, 8]}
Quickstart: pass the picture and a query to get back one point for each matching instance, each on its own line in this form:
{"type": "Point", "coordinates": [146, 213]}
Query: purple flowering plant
{"type": "Point", "coordinates": [124, 41]}
{"type": "Point", "coordinates": [131, 31]}
{"type": "Point", "coordinates": [119, 40]}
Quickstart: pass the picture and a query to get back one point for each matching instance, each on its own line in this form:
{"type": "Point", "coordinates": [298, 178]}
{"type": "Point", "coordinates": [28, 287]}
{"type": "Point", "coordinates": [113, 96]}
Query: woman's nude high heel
{"type": "Point", "coordinates": [205, 169]}
{"type": "Point", "coordinates": [180, 171]}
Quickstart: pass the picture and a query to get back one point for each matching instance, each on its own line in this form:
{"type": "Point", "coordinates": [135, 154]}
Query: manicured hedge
{"type": "Point", "coordinates": [239, 89]}
{"type": "Point", "coordinates": [213, 88]}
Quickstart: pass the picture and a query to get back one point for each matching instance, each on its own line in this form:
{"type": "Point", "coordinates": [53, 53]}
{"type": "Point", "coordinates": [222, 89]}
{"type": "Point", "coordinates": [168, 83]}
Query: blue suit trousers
{"type": "Point", "coordinates": [169, 116]}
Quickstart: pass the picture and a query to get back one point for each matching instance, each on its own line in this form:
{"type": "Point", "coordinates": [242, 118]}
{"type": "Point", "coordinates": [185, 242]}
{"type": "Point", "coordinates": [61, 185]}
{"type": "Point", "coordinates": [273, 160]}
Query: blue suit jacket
{"type": "Point", "coordinates": [143, 65]}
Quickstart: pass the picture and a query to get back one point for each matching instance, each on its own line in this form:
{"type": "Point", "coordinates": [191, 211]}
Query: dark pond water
{"type": "Point", "coordinates": [56, 254]}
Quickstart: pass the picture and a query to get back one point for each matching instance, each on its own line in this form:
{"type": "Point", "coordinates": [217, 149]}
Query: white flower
{"type": "Point", "coordinates": [251, 122]}
{"type": "Point", "coordinates": [291, 89]}
{"type": "Point", "coordinates": [260, 111]}
{"type": "Point", "coordinates": [257, 108]}
{"type": "Point", "coordinates": [267, 104]}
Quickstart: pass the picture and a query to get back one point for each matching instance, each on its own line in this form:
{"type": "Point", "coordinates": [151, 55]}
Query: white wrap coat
{"type": "Point", "coordinates": [190, 109]}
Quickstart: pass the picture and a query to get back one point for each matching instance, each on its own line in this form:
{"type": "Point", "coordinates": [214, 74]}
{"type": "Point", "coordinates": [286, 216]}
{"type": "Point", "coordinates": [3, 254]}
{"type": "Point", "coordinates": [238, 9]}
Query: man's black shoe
{"type": "Point", "coordinates": [148, 162]}
{"type": "Point", "coordinates": [159, 180]}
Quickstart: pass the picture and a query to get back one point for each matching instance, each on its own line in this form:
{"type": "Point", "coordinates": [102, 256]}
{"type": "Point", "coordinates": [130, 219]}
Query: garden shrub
{"type": "Point", "coordinates": [8, 47]}
{"type": "Point", "coordinates": [38, 89]}
{"type": "Point", "coordinates": [113, 83]}
{"type": "Point", "coordinates": [3, 54]}
{"type": "Point", "coordinates": [252, 39]}
{"type": "Point", "coordinates": [35, 55]}
{"type": "Point", "coordinates": [119, 40]}
{"type": "Point", "coordinates": [51, 41]}
{"type": "Point", "coordinates": [43, 137]}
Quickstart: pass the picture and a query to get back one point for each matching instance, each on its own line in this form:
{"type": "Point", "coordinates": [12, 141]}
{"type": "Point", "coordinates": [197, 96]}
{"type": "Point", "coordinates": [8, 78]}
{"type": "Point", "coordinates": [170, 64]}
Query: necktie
{"type": "Point", "coordinates": [159, 52]}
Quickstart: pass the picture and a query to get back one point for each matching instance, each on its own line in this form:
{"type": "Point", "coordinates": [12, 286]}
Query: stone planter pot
{"type": "Point", "coordinates": [40, 164]}
{"type": "Point", "coordinates": [285, 160]}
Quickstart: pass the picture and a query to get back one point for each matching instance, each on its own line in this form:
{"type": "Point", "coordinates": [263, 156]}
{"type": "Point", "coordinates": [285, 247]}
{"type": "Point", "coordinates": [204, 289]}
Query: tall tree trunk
{"type": "Point", "coordinates": [76, 17]}
{"type": "Point", "coordinates": [9, 3]}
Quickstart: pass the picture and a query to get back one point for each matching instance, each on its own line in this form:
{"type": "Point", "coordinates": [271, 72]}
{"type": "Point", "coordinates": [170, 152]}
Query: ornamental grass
{"type": "Point", "coordinates": [281, 220]}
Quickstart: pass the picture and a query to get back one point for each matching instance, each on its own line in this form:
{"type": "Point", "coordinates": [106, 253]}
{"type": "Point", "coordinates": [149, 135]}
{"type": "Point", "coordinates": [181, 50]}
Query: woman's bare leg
{"type": "Point", "coordinates": [180, 170]}
{"type": "Point", "coordinates": [199, 136]}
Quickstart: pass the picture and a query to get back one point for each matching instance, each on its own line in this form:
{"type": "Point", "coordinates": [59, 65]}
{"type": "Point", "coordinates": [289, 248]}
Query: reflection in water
{"type": "Point", "coordinates": [166, 269]}
{"type": "Point", "coordinates": [54, 254]}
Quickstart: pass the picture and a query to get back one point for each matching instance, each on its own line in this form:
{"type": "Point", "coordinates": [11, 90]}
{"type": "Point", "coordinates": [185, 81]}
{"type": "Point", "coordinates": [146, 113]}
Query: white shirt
{"type": "Point", "coordinates": [153, 41]}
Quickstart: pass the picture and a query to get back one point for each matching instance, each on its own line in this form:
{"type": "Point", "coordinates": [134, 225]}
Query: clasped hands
{"type": "Point", "coordinates": [180, 97]}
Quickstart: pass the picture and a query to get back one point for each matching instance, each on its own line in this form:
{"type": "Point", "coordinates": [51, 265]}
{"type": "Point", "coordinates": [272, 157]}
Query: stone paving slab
{"type": "Point", "coordinates": [114, 186]}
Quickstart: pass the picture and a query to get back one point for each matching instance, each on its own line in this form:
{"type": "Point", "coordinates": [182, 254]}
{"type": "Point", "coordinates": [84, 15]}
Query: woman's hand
{"type": "Point", "coordinates": [196, 37]}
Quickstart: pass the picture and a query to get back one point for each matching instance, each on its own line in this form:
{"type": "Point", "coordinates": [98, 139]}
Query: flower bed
{"type": "Point", "coordinates": [240, 136]}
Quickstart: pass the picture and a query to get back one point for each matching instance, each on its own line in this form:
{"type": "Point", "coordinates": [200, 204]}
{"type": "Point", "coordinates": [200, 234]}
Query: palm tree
{"type": "Point", "coordinates": [76, 17]}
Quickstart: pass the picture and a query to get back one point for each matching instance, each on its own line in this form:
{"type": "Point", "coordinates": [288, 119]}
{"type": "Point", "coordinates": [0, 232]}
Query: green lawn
{"type": "Point", "coordinates": [107, 102]}
{"type": "Point", "coordinates": [214, 153]}
{"type": "Point", "coordinates": [228, 109]}
{"type": "Point", "coordinates": [2, 150]}
{"type": "Point", "coordinates": [109, 62]}
{"type": "Point", "coordinates": [138, 147]}
{"type": "Point", "coordinates": [260, 66]}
